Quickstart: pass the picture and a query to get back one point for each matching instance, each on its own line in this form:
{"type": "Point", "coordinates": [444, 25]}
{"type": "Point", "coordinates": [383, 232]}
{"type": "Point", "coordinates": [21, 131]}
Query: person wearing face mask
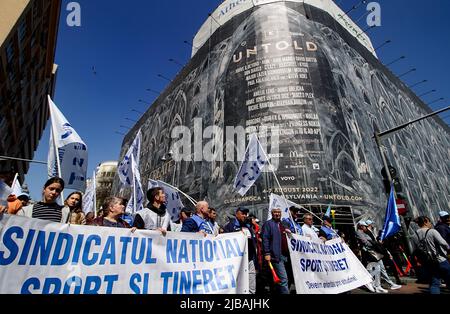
{"type": "Point", "coordinates": [48, 208]}
{"type": "Point", "coordinates": [74, 203]}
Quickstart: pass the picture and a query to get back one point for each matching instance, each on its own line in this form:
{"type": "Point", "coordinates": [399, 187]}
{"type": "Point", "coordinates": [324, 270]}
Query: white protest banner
{"type": "Point", "coordinates": [41, 257]}
{"type": "Point", "coordinates": [325, 268]}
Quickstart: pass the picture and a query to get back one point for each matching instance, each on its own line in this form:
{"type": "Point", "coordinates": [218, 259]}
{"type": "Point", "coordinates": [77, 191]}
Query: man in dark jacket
{"type": "Point", "coordinates": [275, 248]}
{"type": "Point", "coordinates": [199, 222]}
{"type": "Point", "coordinates": [443, 226]}
{"type": "Point", "coordinates": [241, 223]}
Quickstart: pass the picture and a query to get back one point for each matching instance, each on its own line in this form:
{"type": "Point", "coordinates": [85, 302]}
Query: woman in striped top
{"type": "Point", "coordinates": [48, 209]}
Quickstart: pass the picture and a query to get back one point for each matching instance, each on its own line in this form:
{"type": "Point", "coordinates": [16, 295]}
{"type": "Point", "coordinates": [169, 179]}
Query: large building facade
{"type": "Point", "coordinates": [104, 181]}
{"type": "Point", "coordinates": [28, 33]}
{"type": "Point", "coordinates": [304, 70]}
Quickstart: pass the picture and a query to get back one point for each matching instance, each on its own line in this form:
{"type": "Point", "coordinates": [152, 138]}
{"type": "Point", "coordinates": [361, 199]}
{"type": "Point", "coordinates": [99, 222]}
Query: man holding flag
{"type": "Point", "coordinates": [155, 216]}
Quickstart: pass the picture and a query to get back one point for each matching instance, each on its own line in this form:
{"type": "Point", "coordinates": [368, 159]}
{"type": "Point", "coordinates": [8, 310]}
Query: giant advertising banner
{"type": "Point", "coordinates": [288, 70]}
{"type": "Point", "coordinates": [40, 257]}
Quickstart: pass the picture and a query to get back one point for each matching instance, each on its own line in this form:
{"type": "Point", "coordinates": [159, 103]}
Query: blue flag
{"type": "Point", "coordinates": [254, 162]}
{"type": "Point", "coordinates": [392, 220]}
{"type": "Point", "coordinates": [328, 212]}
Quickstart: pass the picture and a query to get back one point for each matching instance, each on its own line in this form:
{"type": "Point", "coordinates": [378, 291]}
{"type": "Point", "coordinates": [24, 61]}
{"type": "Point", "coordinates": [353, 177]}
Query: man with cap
{"type": "Point", "coordinates": [374, 251]}
{"type": "Point", "coordinates": [327, 232]}
{"type": "Point", "coordinates": [369, 257]}
{"type": "Point", "coordinates": [443, 226]}
{"type": "Point", "coordinates": [243, 224]}
{"type": "Point", "coordinates": [155, 216]}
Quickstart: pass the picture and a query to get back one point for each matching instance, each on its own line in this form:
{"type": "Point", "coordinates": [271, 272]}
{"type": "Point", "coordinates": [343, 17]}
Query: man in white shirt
{"type": "Point", "coordinates": [308, 228]}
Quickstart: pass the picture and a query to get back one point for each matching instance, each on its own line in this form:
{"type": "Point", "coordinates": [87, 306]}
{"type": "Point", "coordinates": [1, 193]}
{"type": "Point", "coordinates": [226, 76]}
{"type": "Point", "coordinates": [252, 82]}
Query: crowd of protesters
{"type": "Point", "coordinates": [267, 244]}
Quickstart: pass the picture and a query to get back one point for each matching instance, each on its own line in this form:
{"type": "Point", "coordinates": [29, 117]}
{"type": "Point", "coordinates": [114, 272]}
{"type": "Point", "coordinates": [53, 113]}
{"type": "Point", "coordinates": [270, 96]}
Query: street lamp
{"type": "Point", "coordinates": [392, 62]}
{"type": "Point", "coordinates": [152, 91]}
{"type": "Point", "coordinates": [434, 101]}
{"type": "Point", "coordinates": [176, 62]}
{"type": "Point", "coordinates": [163, 77]}
{"type": "Point", "coordinates": [421, 82]}
{"type": "Point", "coordinates": [383, 44]}
{"type": "Point", "coordinates": [407, 72]}
{"type": "Point", "coordinates": [378, 137]}
{"type": "Point", "coordinates": [429, 92]}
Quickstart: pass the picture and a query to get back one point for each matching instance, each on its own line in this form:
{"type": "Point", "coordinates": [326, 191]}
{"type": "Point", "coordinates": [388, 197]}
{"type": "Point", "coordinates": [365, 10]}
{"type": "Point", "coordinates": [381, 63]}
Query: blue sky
{"type": "Point", "coordinates": [130, 44]}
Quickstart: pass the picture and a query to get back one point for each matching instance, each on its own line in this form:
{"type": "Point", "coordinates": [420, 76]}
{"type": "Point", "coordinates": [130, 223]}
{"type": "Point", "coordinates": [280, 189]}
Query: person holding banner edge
{"type": "Point", "coordinates": [241, 223]}
{"type": "Point", "coordinates": [155, 216]}
{"type": "Point", "coordinates": [48, 208]}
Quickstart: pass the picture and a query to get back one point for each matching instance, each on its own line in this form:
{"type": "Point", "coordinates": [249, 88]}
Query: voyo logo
{"type": "Point", "coordinates": [230, 6]}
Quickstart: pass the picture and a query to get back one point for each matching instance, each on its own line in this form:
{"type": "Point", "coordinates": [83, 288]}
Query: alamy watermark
{"type": "Point", "coordinates": [374, 17]}
{"type": "Point", "coordinates": [74, 17]}
{"type": "Point", "coordinates": [216, 144]}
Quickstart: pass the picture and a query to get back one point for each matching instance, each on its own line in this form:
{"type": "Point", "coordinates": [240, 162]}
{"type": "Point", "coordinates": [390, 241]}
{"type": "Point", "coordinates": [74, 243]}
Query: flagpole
{"type": "Point", "coordinates": [95, 195]}
{"type": "Point", "coordinates": [14, 181]}
{"type": "Point", "coordinates": [193, 201]}
{"type": "Point", "coordinates": [58, 163]}
{"type": "Point", "coordinates": [278, 182]}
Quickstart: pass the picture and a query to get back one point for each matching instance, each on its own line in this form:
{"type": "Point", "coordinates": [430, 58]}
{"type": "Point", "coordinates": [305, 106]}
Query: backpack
{"type": "Point", "coordinates": [423, 252]}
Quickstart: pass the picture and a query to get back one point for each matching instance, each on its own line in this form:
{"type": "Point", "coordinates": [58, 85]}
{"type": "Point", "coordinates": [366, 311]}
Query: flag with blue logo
{"type": "Point", "coordinates": [277, 201]}
{"type": "Point", "coordinates": [136, 202]}
{"type": "Point", "coordinates": [125, 169]}
{"type": "Point", "coordinates": [254, 162]}
{"type": "Point", "coordinates": [152, 184]}
{"type": "Point", "coordinates": [392, 220]}
{"type": "Point", "coordinates": [89, 197]}
{"type": "Point", "coordinates": [173, 201]}
{"type": "Point", "coordinates": [72, 151]}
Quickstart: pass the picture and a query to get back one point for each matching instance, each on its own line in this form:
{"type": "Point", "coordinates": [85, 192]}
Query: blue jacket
{"type": "Point", "coordinates": [271, 237]}
{"type": "Point", "coordinates": [295, 227]}
{"type": "Point", "coordinates": [328, 233]}
{"type": "Point", "coordinates": [196, 224]}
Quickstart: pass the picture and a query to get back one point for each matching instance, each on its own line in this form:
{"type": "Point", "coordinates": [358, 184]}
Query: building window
{"type": "Point", "coordinates": [22, 30]}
